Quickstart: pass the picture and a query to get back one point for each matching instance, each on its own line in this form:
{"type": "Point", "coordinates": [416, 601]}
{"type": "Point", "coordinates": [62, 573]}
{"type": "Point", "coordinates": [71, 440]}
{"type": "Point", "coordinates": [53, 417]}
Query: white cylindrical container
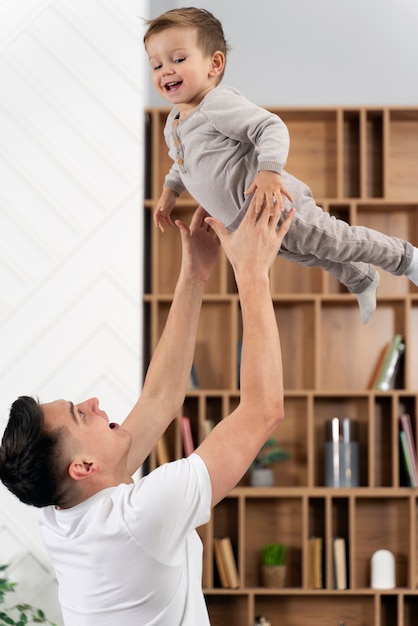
{"type": "Point", "coordinates": [383, 570]}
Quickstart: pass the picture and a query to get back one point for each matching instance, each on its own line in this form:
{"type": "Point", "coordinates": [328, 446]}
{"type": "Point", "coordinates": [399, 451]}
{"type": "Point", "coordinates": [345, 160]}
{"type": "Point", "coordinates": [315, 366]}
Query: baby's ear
{"type": "Point", "coordinates": [217, 63]}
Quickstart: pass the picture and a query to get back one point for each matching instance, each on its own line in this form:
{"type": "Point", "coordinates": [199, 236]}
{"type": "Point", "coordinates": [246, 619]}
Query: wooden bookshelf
{"type": "Point", "coordinates": [362, 165]}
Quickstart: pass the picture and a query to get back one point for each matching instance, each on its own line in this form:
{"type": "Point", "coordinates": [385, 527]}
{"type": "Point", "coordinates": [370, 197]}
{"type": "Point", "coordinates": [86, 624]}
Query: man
{"type": "Point", "coordinates": [125, 552]}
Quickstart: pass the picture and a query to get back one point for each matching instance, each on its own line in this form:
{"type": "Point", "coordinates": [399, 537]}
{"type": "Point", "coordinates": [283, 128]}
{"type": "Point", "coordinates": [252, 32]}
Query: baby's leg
{"type": "Point", "coordinates": [317, 239]}
{"type": "Point", "coordinates": [328, 240]}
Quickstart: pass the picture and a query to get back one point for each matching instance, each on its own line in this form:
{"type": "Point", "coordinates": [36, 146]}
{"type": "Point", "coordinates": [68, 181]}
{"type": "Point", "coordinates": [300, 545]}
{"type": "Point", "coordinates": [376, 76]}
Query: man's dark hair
{"type": "Point", "coordinates": [31, 464]}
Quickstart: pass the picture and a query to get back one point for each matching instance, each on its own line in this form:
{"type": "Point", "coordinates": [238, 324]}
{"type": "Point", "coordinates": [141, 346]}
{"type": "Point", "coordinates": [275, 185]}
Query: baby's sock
{"type": "Point", "coordinates": [412, 271]}
{"type": "Point", "coordinates": [367, 300]}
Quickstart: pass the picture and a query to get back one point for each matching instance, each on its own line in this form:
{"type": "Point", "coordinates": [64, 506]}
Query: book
{"type": "Point", "coordinates": [388, 365]}
{"type": "Point", "coordinates": [186, 435]}
{"type": "Point", "coordinates": [408, 449]}
{"type": "Point", "coordinates": [339, 562]}
{"type": "Point", "coordinates": [406, 459]}
{"type": "Point", "coordinates": [315, 563]}
{"type": "Point", "coordinates": [225, 561]}
{"type": "Point", "coordinates": [220, 563]}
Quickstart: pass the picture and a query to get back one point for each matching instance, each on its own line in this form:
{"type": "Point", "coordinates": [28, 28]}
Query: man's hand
{"type": "Point", "coordinates": [270, 191]}
{"type": "Point", "coordinates": [254, 246]}
{"type": "Point", "coordinates": [200, 246]}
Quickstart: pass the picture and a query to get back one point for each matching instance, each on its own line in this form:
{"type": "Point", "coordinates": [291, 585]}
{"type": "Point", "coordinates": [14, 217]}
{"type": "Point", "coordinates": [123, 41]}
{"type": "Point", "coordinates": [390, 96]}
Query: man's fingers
{"type": "Point", "coordinates": [285, 225]}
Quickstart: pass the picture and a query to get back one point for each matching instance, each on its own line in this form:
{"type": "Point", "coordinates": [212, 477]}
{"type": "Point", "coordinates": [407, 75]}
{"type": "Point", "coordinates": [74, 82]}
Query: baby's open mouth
{"type": "Point", "coordinates": [170, 86]}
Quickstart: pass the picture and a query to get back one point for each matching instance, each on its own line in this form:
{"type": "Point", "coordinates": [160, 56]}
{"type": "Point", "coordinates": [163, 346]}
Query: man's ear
{"type": "Point", "coordinates": [80, 469]}
{"type": "Point", "coordinates": [217, 64]}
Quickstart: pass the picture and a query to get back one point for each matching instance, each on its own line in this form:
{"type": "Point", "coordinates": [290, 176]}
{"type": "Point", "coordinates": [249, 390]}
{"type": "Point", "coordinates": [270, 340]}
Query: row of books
{"type": "Point", "coordinates": [339, 561]}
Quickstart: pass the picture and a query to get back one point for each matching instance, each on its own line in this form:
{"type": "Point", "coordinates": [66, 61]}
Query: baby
{"type": "Point", "coordinates": [228, 152]}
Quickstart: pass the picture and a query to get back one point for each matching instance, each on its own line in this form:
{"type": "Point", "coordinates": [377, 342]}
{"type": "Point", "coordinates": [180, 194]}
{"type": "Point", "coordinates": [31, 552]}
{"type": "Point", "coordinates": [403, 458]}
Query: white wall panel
{"type": "Point", "coordinates": [71, 171]}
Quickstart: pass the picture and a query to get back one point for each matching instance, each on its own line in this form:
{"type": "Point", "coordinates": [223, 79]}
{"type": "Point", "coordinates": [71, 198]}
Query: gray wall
{"type": "Point", "coordinates": [317, 52]}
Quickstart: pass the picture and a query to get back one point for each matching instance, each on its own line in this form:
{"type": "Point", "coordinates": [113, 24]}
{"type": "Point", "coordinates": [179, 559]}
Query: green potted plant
{"type": "Point", "coordinates": [20, 614]}
{"type": "Point", "coordinates": [273, 564]}
{"type": "Point", "coordinates": [261, 474]}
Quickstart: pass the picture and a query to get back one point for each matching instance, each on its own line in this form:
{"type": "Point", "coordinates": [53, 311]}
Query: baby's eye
{"type": "Point", "coordinates": [180, 60]}
{"type": "Point", "coordinates": [157, 67]}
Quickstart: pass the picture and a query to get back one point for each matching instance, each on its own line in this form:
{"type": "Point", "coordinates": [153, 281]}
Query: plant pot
{"type": "Point", "coordinates": [262, 477]}
{"type": "Point", "coordinates": [273, 576]}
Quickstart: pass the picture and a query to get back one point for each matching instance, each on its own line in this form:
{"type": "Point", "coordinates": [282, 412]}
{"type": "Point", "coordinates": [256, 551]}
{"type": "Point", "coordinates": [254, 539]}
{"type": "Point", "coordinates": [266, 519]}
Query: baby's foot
{"type": "Point", "coordinates": [367, 300]}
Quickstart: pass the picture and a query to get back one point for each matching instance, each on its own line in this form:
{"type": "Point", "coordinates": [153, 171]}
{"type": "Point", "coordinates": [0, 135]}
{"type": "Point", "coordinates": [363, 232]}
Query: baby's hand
{"type": "Point", "coordinates": [270, 189]}
{"type": "Point", "coordinates": [164, 208]}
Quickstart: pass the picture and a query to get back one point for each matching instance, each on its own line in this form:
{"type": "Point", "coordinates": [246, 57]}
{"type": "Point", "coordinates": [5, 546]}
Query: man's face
{"type": "Point", "coordinates": [90, 433]}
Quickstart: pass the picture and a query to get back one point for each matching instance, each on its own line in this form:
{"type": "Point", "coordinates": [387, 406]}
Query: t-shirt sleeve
{"type": "Point", "coordinates": [169, 504]}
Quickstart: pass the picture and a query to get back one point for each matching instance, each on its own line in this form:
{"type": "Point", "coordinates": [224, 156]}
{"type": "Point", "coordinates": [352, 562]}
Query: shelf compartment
{"type": "Point", "coordinates": [339, 349]}
{"type": "Point", "coordinates": [340, 514]}
{"type": "Point", "coordinates": [269, 519]}
{"type": "Point", "coordinates": [381, 523]}
{"type": "Point", "coordinates": [411, 352]}
{"type": "Point", "coordinates": [351, 154]}
{"type": "Point", "coordinates": [287, 277]}
{"type": "Point", "coordinates": [214, 355]}
{"type": "Point", "coordinates": [164, 250]}
{"type": "Point", "coordinates": [382, 444]}
{"type": "Point", "coordinates": [389, 610]}
{"type": "Point", "coordinates": [374, 176]}
{"type": "Point", "coordinates": [292, 437]}
{"type": "Point", "coordinates": [317, 609]}
{"type": "Point", "coordinates": [229, 608]}
{"type": "Point", "coordinates": [351, 407]}
{"type": "Point", "coordinates": [402, 154]}
{"type": "Point", "coordinates": [317, 530]}
{"type": "Point", "coordinates": [313, 154]}
{"type": "Point", "coordinates": [400, 220]}
{"type": "Point", "coordinates": [410, 610]}
{"type": "Point", "coordinates": [225, 523]}
{"type": "Point", "coordinates": [296, 323]}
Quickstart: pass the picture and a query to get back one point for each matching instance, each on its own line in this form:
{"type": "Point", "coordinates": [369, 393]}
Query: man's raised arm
{"type": "Point", "coordinates": [168, 373]}
{"type": "Point", "coordinates": [232, 445]}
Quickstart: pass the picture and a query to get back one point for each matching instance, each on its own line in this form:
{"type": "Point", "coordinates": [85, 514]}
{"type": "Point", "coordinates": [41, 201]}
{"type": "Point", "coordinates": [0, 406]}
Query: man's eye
{"type": "Point", "coordinates": [81, 414]}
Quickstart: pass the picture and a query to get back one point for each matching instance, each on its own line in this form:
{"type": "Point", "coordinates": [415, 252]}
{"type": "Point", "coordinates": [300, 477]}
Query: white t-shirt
{"type": "Point", "coordinates": [130, 554]}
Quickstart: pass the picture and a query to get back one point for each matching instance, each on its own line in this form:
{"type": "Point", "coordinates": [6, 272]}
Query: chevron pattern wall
{"type": "Point", "coordinates": [71, 163]}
